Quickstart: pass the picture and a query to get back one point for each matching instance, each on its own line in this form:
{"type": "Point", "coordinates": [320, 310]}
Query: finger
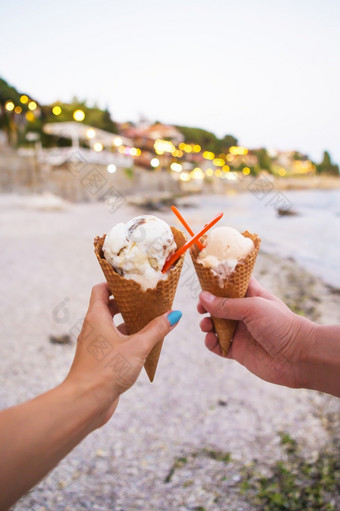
{"type": "Point", "coordinates": [100, 295]}
{"type": "Point", "coordinates": [212, 344]}
{"type": "Point", "coordinates": [230, 308]}
{"type": "Point", "coordinates": [255, 289]}
{"type": "Point", "coordinates": [158, 328]}
{"type": "Point", "coordinates": [201, 309]}
{"type": "Point", "coordinates": [207, 325]}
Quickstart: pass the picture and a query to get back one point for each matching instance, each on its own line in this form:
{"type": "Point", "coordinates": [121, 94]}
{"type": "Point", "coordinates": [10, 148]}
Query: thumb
{"type": "Point", "coordinates": [158, 328]}
{"type": "Point", "coordinates": [229, 308]}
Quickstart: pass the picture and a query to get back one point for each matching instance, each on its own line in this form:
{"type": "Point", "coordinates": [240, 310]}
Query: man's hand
{"type": "Point", "coordinates": [270, 340]}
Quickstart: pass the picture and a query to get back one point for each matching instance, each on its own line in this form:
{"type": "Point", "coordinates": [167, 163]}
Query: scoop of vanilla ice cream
{"type": "Point", "coordinates": [138, 249]}
{"type": "Point", "coordinates": [223, 248]}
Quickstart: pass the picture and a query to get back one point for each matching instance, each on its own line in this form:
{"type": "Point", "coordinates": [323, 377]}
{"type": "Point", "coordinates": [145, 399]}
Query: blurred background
{"type": "Point", "coordinates": [109, 110]}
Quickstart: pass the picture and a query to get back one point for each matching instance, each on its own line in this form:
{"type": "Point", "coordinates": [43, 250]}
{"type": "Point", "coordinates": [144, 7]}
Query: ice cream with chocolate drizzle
{"type": "Point", "coordinates": [138, 249]}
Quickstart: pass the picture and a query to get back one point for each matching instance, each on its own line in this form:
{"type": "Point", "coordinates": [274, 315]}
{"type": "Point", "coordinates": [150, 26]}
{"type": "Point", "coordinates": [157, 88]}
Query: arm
{"type": "Point", "coordinates": [274, 343]}
{"type": "Point", "coordinates": [36, 435]}
{"type": "Point", "coordinates": [321, 365]}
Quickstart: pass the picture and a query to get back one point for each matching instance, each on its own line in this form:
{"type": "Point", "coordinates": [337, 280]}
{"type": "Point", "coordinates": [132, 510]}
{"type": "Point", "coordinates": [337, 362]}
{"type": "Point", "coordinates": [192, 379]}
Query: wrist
{"type": "Point", "coordinates": [305, 342]}
{"type": "Point", "coordinates": [91, 399]}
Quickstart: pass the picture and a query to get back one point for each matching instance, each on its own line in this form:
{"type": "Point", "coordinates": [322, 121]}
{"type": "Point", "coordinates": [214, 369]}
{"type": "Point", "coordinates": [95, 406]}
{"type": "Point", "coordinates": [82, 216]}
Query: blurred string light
{"type": "Point", "coordinates": [18, 109]}
{"type": "Point", "coordinates": [32, 105]}
{"type": "Point", "coordinates": [111, 168]}
{"type": "Point", "coordinates": [246, 171]}
{"type": "Point", "coordinates": [209, 172]}
{"type": "Point", "coordinates": [176, 167]}
{"type": "Point", "coordinates": [117, 141]}
{"type": "Point", "coordinates": [196, 148]}
{"type": "Point", "coordinates": [238, 150]}
{"type": "Point", "coordinates": [56, 110]}
{"type": "Point", "coordinates": [98, 147]}
{"type": "Point", "coordinates": [30, 116]}
{"type": "Point", "coordinates": [90, 133]}
{"type": "Point", "coordinates": [24, 99]}
{"type": "Point", "coordinates": [218, 162]}
{"type": "Point", "coordinates": [78, 115]}
{"type": "Point", "coordinates": [163, 146]}
{"type": "Point", "coordinates": [226, 168]}
{"type": "Point", "coordinates": [184, 176]}
{"type": "Point", "coordinates": [282, 171]}
{"type": "Point", "coordinates": [154, 162]}
{"type": "Point", "coordinates": [208, 155]}
{"type": "Point", "coordinates": [197, 174]}
{"type": "Point", "coordinates": [9, 106]}
{"type": "Point", "coordinates": [231, 176]}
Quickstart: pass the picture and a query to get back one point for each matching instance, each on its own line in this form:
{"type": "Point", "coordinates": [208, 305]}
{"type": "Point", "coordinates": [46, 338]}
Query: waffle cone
{"type": "Point", "coordinates": [139, 307]}
{"type": "Point", "coordinates": [235, 285]}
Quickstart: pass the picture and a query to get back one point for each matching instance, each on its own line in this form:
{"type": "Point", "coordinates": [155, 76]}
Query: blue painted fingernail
{"type": "Point", "coordinates": [174, 317]}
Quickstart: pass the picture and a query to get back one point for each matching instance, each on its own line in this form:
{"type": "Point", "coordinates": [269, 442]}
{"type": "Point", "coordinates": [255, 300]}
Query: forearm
{"type": "Point", "coordinates": [322, 360]}
{"type": "Point", "coordinates": [36, 435]}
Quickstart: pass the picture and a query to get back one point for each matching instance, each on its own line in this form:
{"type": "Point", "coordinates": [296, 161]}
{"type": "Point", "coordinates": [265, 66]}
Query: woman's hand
{"type": "Point", "coordinates": [107, 360]}
{"type": "Point", "coordinates": [270, 340]}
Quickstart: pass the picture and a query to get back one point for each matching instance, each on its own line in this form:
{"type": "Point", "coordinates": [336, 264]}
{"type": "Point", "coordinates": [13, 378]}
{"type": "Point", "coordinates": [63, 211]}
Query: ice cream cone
{"type": "Point", "coordinates": [234, 285]}
{"type": "Point", "coordinates": [139, 307]}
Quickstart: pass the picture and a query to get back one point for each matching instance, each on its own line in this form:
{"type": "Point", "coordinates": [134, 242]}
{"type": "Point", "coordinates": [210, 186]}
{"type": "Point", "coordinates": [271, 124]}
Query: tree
{"type": "Point", "coordinates": [263, 158]}
{"type": "Point", "coordinates": [326, 166]}
{"type": "Point", "coordinates": [228, 141]}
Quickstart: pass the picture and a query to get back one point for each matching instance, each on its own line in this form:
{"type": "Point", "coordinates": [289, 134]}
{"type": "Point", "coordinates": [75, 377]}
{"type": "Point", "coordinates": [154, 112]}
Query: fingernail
{"type": "Point", "coordinates": [208, 297]}
{"type": "Point", "coordinates": [174, 317]}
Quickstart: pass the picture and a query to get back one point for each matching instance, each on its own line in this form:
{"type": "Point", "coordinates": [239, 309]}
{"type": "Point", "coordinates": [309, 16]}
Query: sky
{"type": "Point", "coordinates": [265, 71]}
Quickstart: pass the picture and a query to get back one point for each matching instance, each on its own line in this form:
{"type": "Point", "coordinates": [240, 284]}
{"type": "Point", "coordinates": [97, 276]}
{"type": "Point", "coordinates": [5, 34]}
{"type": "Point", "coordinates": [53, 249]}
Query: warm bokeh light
{"type": "Point", "coordinates": [197, 148]}
{"type": "Point", "coordinates": [226, 168]}
{"type": "Point", "coordinates": [246, 171]}
{"type": "Point", "coordinates": [9, 106]}
{"type": "Point", "coordinates": [218, 172]}
{"type": "Point", "coordinates": [24, 99]}
{"type": "Point", "coordinates": [154, 162]}
{"type": "Point", "coordinates": [117, 141]}
{"type": "Point", "coordinates": [208, 155]}
{"type": "Point", "coordinates": [218, 162]}
{"type": "Point", "coordinates": [209, 172]}
{"type": "Point", "coordinates": [121, 149]}
{"type": "Point", "coordinates": [177, 153]}
{"type": "Point", "coordinates": [78, 115]}
{"type": "Point", "coordinates": [56, 110]}
{"type": "Point", "coordinates": [176, 167]}
{"type": "Point", "coordinates": [182, 146]}
{"type": "Point", "coordinates": [91, 133]}
{"type": "Point", "coordinates": [163, 146]}
{"type": "Point", "coordinates": [111, 168]}
{"type": "Point", "coordinates": [230, 157]}
{"type": "Point", "coordinates": [238, 150]}
{"type": "Point", "coordinates": [32, 105]}
{"type": "Point", "coordinates": [30, 116]}
{"type": "Point", "coordinates": [18, 109]}
{"type": "Point", "coordinates": [98, 147]}
{"type": "Point", "coordinates": [197, 174]}
{"type": "Point", "coordinates": [185, 176]}
{"type": "Point", "coordinates": [134, 151]}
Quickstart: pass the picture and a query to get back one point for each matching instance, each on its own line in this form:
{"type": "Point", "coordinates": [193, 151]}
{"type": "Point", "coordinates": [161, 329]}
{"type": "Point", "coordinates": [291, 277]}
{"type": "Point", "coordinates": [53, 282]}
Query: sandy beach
{"type": "Point", "coordinates": [182, 442]}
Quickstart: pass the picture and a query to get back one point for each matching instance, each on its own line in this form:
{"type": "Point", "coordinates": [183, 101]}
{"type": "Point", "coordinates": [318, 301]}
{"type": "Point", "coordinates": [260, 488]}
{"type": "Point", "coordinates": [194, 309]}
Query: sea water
{"type": "Point", "coordinates": [311, 237]}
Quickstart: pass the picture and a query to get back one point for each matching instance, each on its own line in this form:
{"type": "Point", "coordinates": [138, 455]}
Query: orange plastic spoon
{"type": "Point", "coordinates": [184, 223]}
{"type": "Point", "coordinates": [188, 244]}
